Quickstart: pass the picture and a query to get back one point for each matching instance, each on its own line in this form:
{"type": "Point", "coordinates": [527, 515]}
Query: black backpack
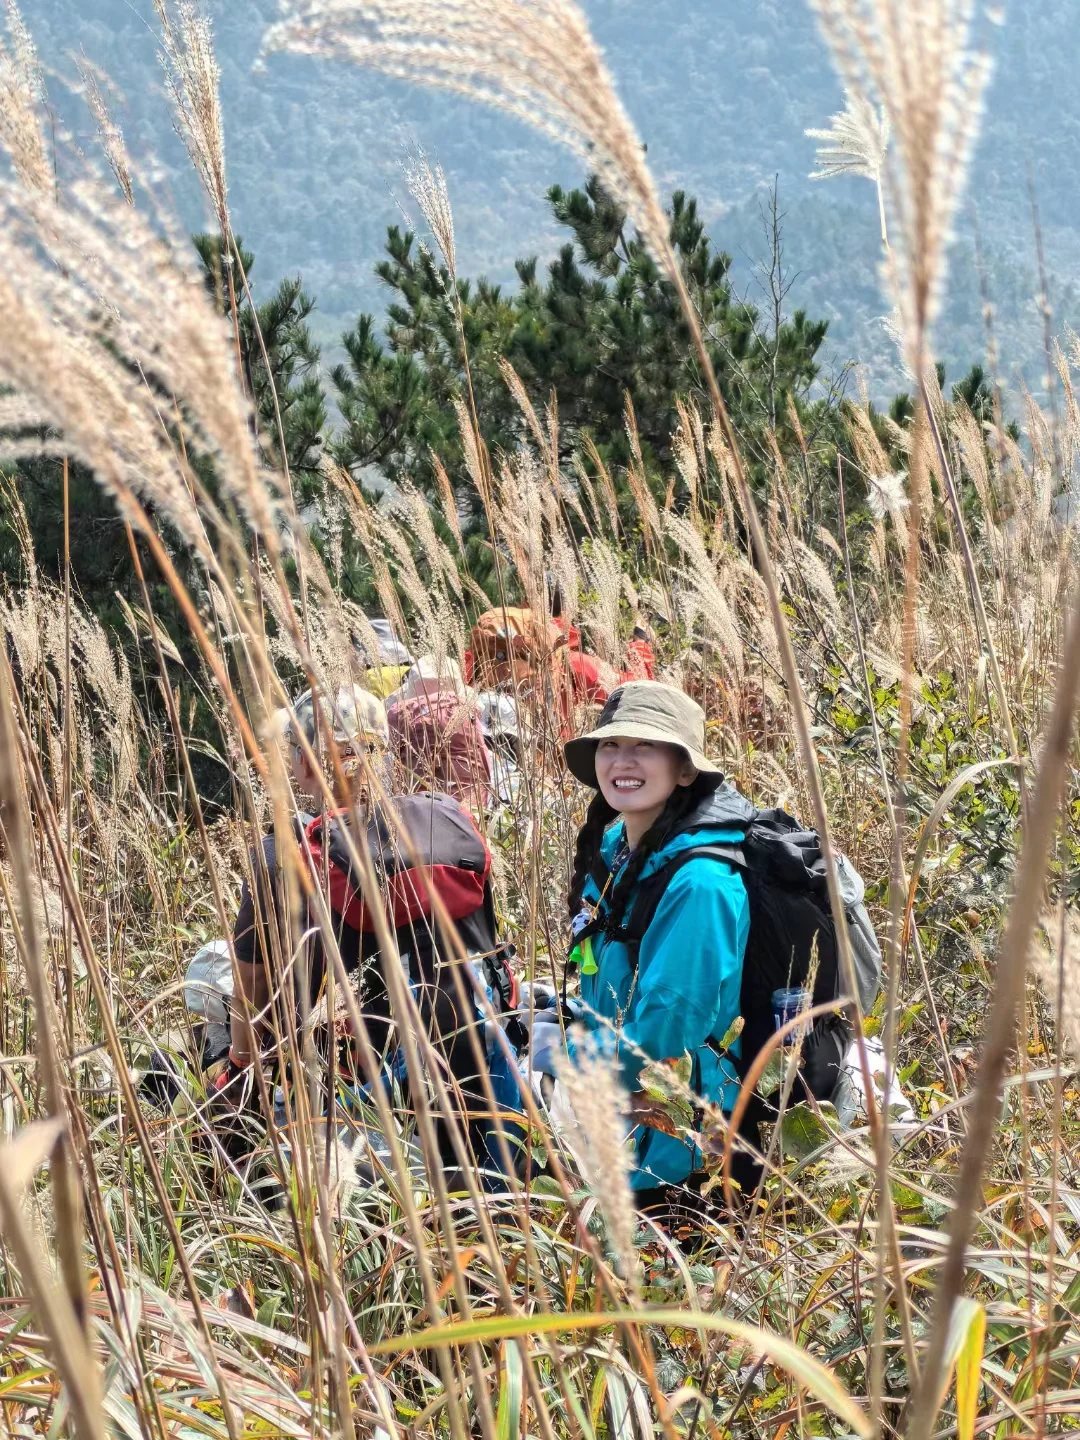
{"type": "Point", "coordinates": [790, 922]}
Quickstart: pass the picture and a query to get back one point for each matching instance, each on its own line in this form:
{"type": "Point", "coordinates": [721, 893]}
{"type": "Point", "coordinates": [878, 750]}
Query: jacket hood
{"type": "Point", "coordinates": [722, 818]}
{"type": "Point", "coordinates": [724, 809]}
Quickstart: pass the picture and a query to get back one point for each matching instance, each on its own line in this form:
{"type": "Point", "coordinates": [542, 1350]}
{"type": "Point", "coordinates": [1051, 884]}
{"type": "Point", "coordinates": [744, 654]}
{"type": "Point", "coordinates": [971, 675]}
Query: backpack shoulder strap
{"type": "Point", "coordinates": [651, 891]}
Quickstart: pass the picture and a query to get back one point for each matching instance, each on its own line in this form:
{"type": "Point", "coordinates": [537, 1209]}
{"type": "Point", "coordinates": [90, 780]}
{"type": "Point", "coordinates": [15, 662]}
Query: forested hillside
{"type": "Point", "coordinates": [721, 90]}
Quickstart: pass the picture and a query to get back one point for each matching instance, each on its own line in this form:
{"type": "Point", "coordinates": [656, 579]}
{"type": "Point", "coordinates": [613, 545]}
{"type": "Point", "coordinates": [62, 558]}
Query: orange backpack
{"type": "Point", "coordinates": [513, 647]}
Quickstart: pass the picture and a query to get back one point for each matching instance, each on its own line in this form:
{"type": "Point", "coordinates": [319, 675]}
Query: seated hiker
{"type": "Point", "coordinates": [691, 910]}
{"type": "Point", "coordinates": [385, 671]}
{"type": "Point", "coordinates": [594, 679]}
{"type": "Point", "coordinates": [436, 735]}
{"type": "Point", "coordinates": [356, 722]}
{"type": "Point", "coordinates": [417, 844]}
{"type": "Point", "coordinates": [657, 795]}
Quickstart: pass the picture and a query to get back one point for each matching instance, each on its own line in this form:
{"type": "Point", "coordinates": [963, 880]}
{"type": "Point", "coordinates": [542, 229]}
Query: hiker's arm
{"type": "Point", "coordinates": [689, 967]}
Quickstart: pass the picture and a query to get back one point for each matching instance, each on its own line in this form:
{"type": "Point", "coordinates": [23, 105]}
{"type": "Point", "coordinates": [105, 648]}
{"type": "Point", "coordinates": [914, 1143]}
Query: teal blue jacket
{"type": "Point", "coordinates": [685, 991]}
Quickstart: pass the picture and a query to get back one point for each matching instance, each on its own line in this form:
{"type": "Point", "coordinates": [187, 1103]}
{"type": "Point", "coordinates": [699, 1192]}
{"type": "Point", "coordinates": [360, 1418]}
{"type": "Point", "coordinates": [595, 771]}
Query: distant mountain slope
{"type": "Point", "coordinates": [721, 90]}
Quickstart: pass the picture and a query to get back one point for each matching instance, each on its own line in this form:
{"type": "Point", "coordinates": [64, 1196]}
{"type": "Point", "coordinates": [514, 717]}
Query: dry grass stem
{"type": "Point", "coordinates": [110, 134]}
{"type": "Point", "coordinates": [22, 96]}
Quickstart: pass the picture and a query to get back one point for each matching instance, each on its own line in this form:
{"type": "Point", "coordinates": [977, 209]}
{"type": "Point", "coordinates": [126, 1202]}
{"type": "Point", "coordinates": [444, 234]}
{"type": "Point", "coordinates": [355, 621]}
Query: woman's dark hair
{"type": "Point", "coordinates": [681, 803]}
{"type": "Point", "coordinates": [597, 818]}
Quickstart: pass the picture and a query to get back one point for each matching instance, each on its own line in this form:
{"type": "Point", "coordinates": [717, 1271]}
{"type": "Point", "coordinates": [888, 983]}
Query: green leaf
{"type": "Point", "coordinates": [964, 1351]}
{"type": "Point", "coordinates": [802, 1132]}
{"type": "Point", "coordinates": [732, 1033]}
{"type": "Point", "coordinates": [806, 1371]}
{"type": "Point", "coordinates": [508, 1416]}
{"type": "Point", "coordinates": [772, 1077]}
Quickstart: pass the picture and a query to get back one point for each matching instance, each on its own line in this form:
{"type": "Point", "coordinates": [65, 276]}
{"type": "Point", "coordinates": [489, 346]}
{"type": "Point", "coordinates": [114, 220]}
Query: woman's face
{"type": "Point", "coordinates": [637, 777]}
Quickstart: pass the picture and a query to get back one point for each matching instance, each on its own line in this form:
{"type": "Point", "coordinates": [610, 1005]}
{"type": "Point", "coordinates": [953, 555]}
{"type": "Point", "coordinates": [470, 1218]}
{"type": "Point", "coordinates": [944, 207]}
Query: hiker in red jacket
{"type": "Point", "coordinates": [594, 679]}
{"type": "Point", "coordinates": [590, 679]}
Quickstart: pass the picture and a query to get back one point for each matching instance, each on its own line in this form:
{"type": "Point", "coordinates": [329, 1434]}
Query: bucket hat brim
{"type": "Point", "coordinates": [581, 753]}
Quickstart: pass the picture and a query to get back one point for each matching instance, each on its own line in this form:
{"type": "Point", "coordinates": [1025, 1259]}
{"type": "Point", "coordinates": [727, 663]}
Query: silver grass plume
{"type": "Point", "coordinates": [885, 495]}
{"type": "Point", "coordinates": [104, 670]}
{"type": "Point", "coordinates": [192, 77]}
{"type": "Point", "coordinates": [22, 93]}
{"type": "Point", "coordinates": [814, 574]}
{"type": "Point", "coordinates": [448, 501]}
{"type": "Point", "coordinates": [603, 575]}
{"type": "Point", "coordinates": [702, 593]}
{"type": "Point", "coordinates": [536, 59]}
{"type": "Point", "coordinates": [428, 189]}
{"type": "Point", "coordinates": [420, 517]}
{"type": "Point", "coordinates": [914, 59]}
{"type": "Point", "coordinates": [855, 142]}
{"type": "Point", "coordinates": [600, 1106]}
{"type": "Point", "coordinates": [95, 302]}
{"type": "Point", "coordinates": [519, 522]}
{"type": "Point", "coordinates": [110, 135]}
{"type": "Point", "coordinates": [562, 562]}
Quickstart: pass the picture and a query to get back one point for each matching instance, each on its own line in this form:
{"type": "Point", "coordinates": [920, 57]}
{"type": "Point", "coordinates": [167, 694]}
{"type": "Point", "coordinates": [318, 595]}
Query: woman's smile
{"type": "Point", "coordinates": [637, 777]}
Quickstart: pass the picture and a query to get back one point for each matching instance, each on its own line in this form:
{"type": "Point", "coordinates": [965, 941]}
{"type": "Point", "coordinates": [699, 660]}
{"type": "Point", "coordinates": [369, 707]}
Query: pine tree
{"type": "Point", "coordinates": [294, 366]}
{"type": "Point", "coordinates": [604, 324]}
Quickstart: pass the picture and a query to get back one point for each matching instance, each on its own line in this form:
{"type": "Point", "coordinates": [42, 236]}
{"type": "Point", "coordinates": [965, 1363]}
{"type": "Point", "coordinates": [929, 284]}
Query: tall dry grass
{"type": "Point", "coordinates": [846, 675]}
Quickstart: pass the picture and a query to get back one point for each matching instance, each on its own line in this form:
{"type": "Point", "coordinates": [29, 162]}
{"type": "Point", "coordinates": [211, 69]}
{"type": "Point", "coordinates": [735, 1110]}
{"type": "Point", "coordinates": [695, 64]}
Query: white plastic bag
{"type": "Point", "coordinates": [208, 984]}
{"type": "Point", "coordinates": [849, 1097]}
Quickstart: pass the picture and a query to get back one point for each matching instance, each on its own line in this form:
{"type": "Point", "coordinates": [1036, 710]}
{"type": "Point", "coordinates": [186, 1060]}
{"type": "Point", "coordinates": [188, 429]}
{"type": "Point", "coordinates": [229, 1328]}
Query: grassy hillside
{"type": "Point", "coordinates": [277, 1224]}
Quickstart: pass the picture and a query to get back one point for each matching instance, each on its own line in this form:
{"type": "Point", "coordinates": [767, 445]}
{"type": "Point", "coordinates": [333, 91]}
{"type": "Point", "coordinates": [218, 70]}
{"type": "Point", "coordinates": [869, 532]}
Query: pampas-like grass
{"type": "Point", "coordinates": [703, 594]}
{"type": "Point", "coordinates": [192, 76]}
{"type": "Point", "coordinates": [110, 337]}
{"type": "Point", "coordinates": [22, 91]}
{"type": "Point", "coordinates": [912, 63]}
{"type": "Point", "coordinates": [885, 495]}
{"type": "Point", "coordinates": [855, 143]}
{"type": "Point", "coordinates": [448, 501]}
{"type": "Point", "coordinates": [603, 573]}
{"type": "Point", "coordinates": [110, 135]}
{"type": "Point", "coordinates": [600, 1106]}
{"type": "Point", "coordinates": [536, 59]}
{"type": "Point", "coordinates": [427, 186]}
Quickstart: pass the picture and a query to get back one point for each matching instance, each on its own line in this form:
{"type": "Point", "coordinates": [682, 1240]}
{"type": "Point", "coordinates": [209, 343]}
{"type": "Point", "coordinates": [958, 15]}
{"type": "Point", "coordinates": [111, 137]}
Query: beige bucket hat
{"type": "Point", "coordinates": [643, 710]}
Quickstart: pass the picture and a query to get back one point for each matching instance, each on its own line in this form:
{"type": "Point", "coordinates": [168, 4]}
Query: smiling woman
{"type": "Point", "coordinates": [676, 990]}
{"type": "Point", "coordinates": [638, 777]}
